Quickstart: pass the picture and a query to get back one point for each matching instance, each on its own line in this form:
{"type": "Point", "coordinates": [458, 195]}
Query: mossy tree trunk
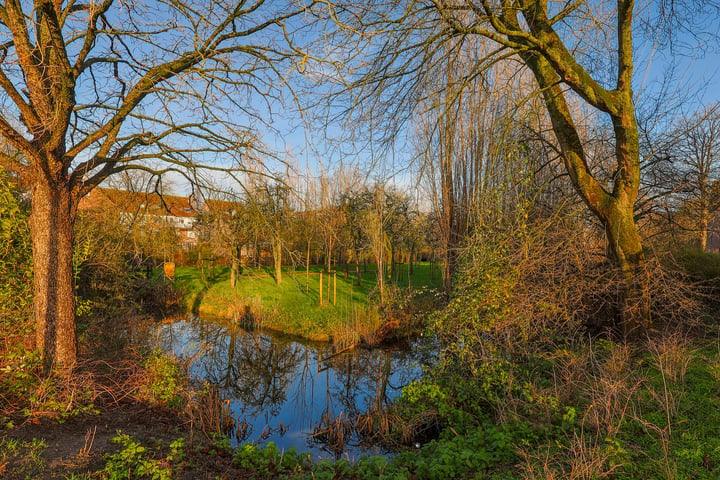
{"type": "Point", "coordinates": [553, 67]}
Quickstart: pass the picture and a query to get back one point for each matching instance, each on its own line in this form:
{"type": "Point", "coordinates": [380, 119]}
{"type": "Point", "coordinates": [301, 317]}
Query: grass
{"type": "Point", "coordinates": [21, 458]}
{"type": "Point", "coordinates": [294, 307]}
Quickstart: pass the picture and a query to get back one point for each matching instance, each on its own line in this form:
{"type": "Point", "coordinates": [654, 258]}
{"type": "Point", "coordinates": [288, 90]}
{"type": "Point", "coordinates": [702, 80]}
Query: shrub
{"type": "Point", "coordinates": [161, 382]}
{"type": "Point", "coordinates": [134, 460]}
{"type": "Point", "coordinates": [15, 266]}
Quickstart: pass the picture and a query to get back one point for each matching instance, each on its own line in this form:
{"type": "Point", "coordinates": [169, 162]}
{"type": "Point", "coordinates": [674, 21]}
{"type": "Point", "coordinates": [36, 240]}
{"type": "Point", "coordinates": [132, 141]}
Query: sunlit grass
{"type": "Point", "coordinates": [296, 306]}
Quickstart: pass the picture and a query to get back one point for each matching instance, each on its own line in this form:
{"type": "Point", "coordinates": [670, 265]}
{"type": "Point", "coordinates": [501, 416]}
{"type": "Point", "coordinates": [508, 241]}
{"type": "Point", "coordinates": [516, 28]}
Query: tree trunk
{"type": "Point", "coordinates": [307, 269]}
{"type": "Point", "coordinates": [704, 225]}
{"type": "Point", "coordinates": [411, 257]}
{"type": "Point", "coordinates": [233, 272]}
{"type": "Point", "coordinates": [256, 248]}
{"type": "Point", "coordinates": [51, 225]}
{"type": "Point", "coordinates": [235, 268]}
{"type": "Point", "coordinates": [357, 267]}
{"type": "Point", "coordinates": [625, 249]}
{"type": "Point", "coordinates": [381, 275]}
{"type": "Point", "coordinates": [277, 259]}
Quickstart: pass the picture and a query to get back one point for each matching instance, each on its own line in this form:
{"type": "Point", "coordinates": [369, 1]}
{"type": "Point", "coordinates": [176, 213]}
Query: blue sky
{"type": "Point", "coordinates": [696, 83]}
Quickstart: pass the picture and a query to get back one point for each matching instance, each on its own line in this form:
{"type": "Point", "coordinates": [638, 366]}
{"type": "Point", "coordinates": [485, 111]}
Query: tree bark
{"type": "Point", "coordinates": [52, 228]}
{"type": "Point", "coordinates": [704, 212]}
{"type": "Point", "coordinates": [277, 259]}
{"type": "Point", "coordinates": [626, 252]}
{"type": "Point", "coordinates": [235, 268]}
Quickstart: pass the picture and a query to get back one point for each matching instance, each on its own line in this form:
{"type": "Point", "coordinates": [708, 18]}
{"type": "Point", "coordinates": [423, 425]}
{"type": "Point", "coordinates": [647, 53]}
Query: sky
{"type": "Point", "coordinates": [696, 83]}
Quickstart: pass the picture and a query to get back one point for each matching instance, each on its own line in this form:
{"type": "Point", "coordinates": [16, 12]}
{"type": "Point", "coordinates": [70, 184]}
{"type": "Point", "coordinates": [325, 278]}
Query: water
{"type": "Point", "coordinates": [281, 389]}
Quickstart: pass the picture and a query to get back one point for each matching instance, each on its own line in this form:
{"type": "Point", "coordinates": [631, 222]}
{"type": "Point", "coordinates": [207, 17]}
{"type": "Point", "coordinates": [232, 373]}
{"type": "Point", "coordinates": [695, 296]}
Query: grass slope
{"type": "Point", "coordinates": [294, 306]}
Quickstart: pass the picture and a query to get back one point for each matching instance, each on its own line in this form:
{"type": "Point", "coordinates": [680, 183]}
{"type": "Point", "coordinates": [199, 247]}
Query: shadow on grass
{"type": "Point", "coordinates": [195, 309]}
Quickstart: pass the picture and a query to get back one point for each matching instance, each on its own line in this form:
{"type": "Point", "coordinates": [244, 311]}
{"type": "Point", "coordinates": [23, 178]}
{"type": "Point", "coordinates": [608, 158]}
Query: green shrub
{"type": "Point", "coordinates": [270, 460]}
{"type": "Point", "coordinates": [15, 265]}
{"type": "Point", "coordinates": [161, 382]}
{"type": "Point", "coordinates": [135, 461]}
{"type": "Point", "coordinates": [699, 265]}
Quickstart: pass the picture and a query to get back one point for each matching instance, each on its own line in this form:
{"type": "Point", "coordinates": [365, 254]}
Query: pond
{"type": "Point", "coordinates": [285, 390]}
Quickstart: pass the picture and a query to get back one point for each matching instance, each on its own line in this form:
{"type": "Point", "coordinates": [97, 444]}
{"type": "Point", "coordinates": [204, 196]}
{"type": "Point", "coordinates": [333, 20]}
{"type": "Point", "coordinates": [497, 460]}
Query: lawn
{"type": "Point", "coordinates": [295, 306]}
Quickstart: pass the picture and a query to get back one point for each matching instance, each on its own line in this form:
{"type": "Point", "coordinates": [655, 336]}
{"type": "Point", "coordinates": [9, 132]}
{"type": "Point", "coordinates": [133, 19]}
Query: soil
{"type": "Point", "coordinates": [79, 445]}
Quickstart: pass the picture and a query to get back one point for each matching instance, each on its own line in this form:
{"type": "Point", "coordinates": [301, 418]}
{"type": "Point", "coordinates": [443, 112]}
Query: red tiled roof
{"type": "Point", "coordinates": [129, 201]}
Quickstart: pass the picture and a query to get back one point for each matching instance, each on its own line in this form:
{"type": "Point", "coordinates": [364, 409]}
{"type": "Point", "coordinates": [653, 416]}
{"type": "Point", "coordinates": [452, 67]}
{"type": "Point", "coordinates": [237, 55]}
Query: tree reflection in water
{"type": "Point", "coordinates": [282, 389]}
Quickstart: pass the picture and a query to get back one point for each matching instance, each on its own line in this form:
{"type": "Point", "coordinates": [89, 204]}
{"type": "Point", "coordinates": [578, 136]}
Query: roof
{"type": "Point", "coordinates": [129, 201]}
{"type": "Point", "coordinates": [220, 205]}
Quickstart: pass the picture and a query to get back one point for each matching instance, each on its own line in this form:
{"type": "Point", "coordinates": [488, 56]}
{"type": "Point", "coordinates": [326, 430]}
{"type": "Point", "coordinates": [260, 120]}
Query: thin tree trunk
{"type": "Point", "coordinates": [357, 268]}
{"type": "Point", "coordinates": [448, 198]}
{"type": "Point", "coordinates": [235, 265]}
{"type": "Point", "coordinates": [258, 255]}
{"type": "Point", "coordinates": [51, 225]}
{"type": "Point", "coordinates": [328, 258]}
{"type": "Point", "coordinates": [277, 259]}
{"type": "Point", "coordinates": [381, 275]}
{"type": "Point", "coordinates": [411, 270]}
{"type": "Point", "coordinates": [307, 269]}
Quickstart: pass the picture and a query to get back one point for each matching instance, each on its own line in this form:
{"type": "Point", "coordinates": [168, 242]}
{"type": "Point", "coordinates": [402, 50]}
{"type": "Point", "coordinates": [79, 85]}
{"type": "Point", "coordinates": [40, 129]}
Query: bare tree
{"type": "Point", "coordinates": [227, 222]}
{"type": "Point", "coordinates": [474, 149]}
{"type": "Point", "coordinates": [697, 157]}
{"type": "Point", "coordinates": [375, 217]}
{"type": "Point", "coordinates": [330, 220]}
{"type": "Point", "coordinates": [353, 207]}
{"type": "Point", "coordinates": [576, 51]}
{"type": "Point", "coordinates": [270, 214]}
{"type": "Point", "coordinates": [92, 89]}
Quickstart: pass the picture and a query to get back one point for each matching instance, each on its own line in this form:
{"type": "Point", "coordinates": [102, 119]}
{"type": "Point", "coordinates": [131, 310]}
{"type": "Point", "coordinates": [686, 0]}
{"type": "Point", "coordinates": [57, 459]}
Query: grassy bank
{"type": "Point", "coordinates": [599, 410]}
{"type": "Point", "coordinates": [339, 309]}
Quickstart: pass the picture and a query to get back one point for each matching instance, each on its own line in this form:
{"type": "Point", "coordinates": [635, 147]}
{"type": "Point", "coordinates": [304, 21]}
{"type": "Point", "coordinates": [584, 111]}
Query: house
{"type": "Point", "coordinates": [147, 210]}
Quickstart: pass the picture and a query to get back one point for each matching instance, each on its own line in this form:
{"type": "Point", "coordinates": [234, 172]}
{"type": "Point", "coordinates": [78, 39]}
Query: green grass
{"type": "Point", "coordinates": [700, 265]}
{"type": "Point", "coordinates": [294, 306]}
{"type": "Point", "coordinates": [22, 457]}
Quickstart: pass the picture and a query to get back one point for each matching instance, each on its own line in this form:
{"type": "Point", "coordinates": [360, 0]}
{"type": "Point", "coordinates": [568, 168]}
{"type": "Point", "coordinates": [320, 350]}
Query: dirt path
{"type": "Point", "coordinates": [80, 445]}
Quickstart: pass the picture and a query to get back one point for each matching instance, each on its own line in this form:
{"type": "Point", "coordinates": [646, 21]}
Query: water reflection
{"type": "Point", "coordinates": [283, 390]}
